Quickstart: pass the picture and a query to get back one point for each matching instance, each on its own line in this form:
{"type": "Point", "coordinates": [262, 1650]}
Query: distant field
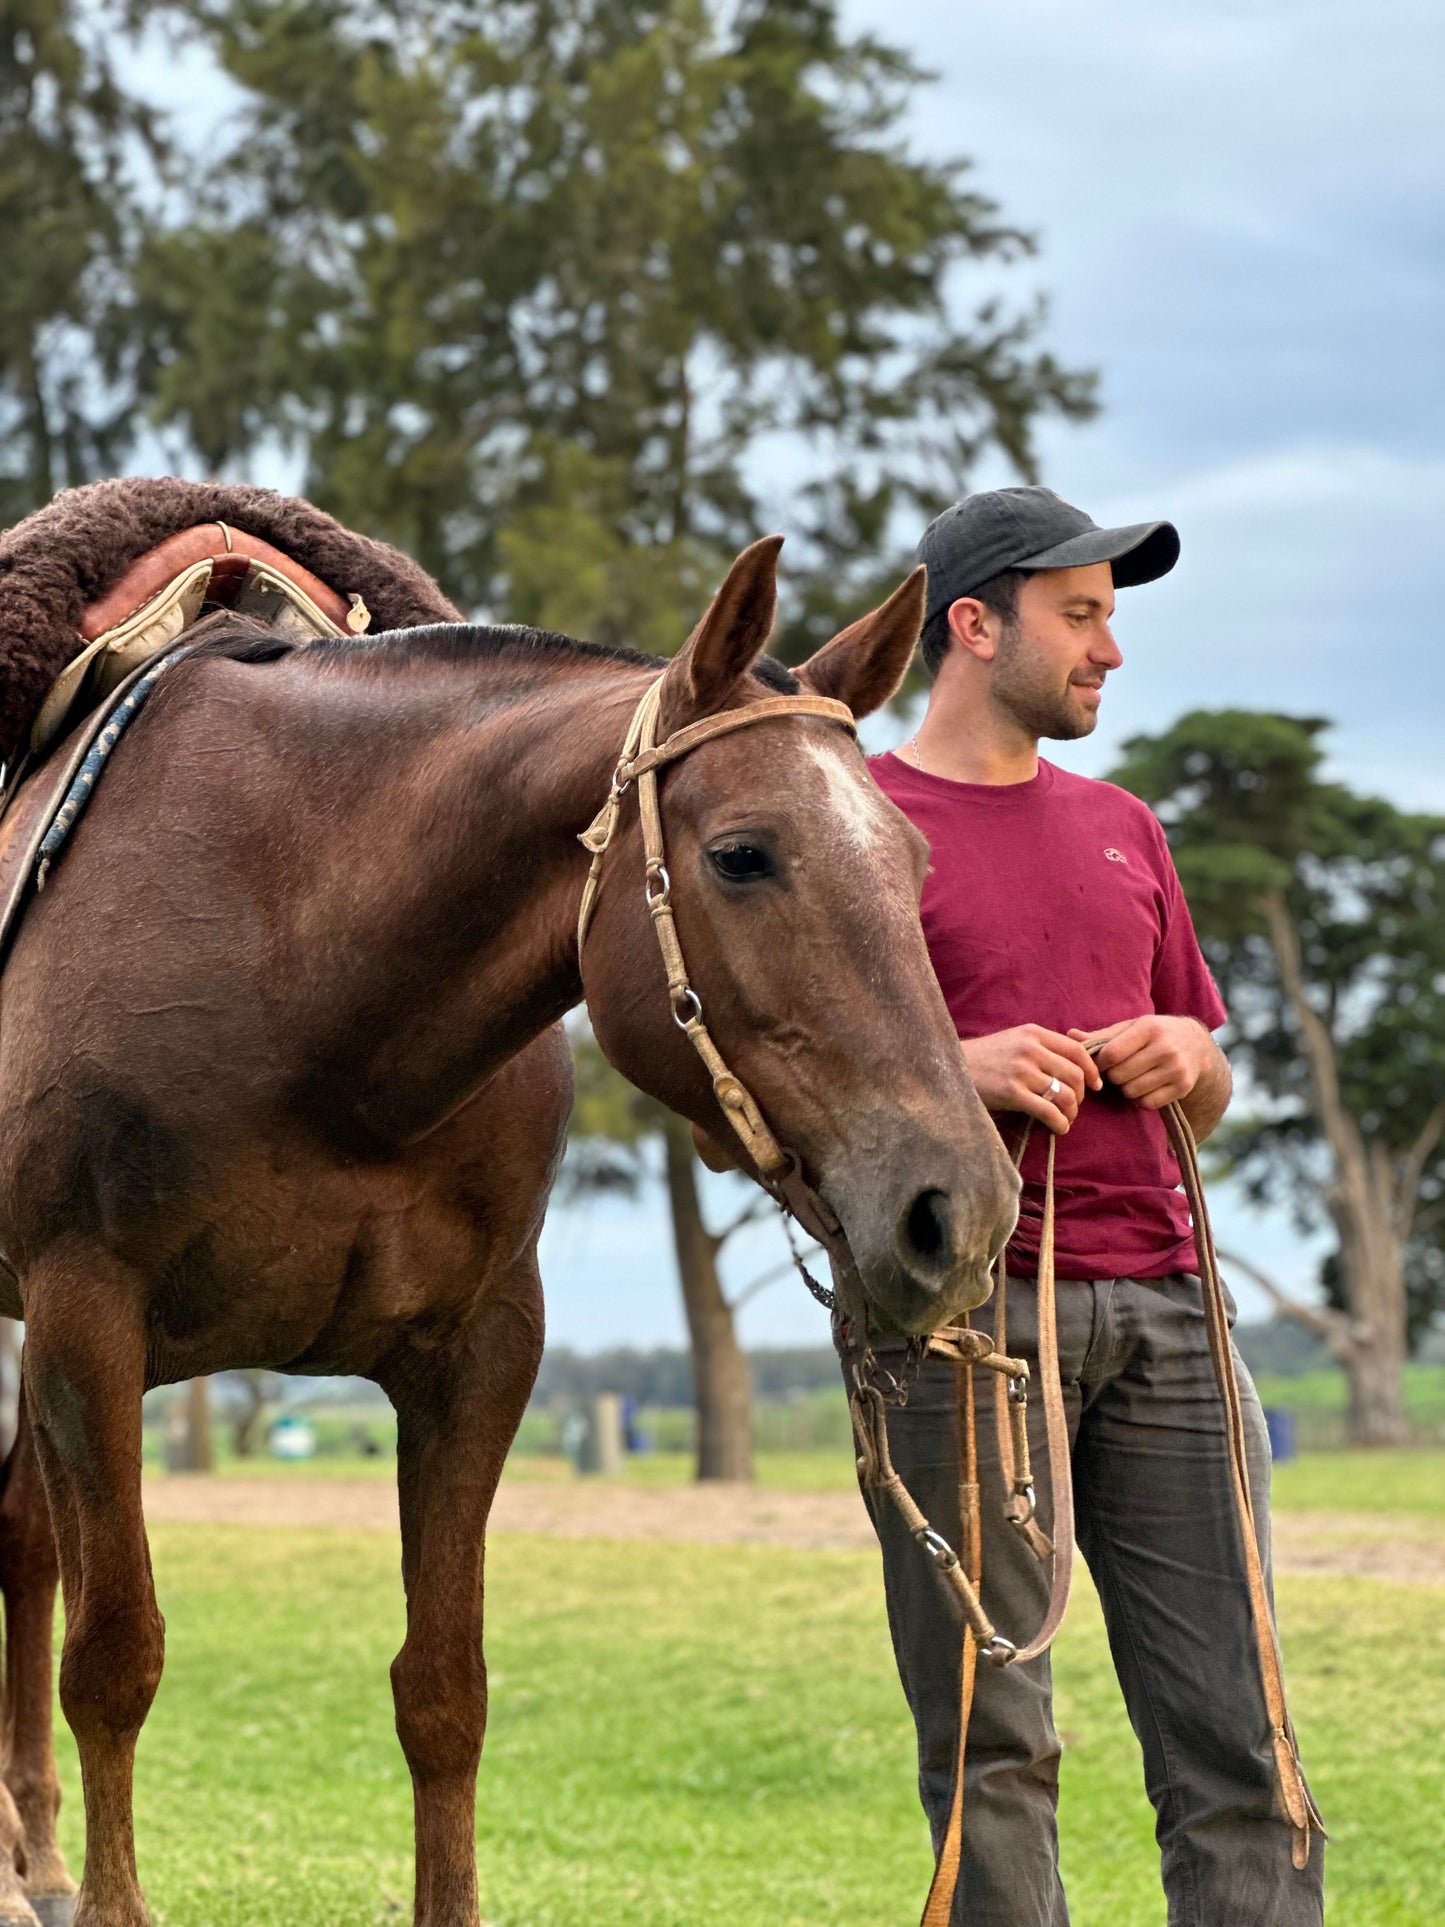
{"type": "Point", "coordinates": [1319, 1399]}
{"type": "Point", "coordinates": [689, 1737]}
{"type": "Point", "coordinates": [805, 1442]}
{"type": "Point", "coordinates": [1393, 1482]}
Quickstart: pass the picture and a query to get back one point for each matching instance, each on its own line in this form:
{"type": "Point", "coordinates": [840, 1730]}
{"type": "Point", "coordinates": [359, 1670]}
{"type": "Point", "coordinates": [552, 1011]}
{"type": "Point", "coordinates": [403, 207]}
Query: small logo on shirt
{"type": "Point", "coordinates": [1116, 856]}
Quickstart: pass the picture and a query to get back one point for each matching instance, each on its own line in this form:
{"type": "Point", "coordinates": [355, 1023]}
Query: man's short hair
{"type": "Point", "coordinates": [999, 595]}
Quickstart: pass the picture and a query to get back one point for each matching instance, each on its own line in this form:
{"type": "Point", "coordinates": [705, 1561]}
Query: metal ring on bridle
{"type": "Point", "coordinates": [660, 877]}
{"type": "Point", "coordinates": [680, 1003]}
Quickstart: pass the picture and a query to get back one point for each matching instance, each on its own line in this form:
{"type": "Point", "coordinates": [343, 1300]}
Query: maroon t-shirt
{"type": "Point", "coordinates": [1056, 902]}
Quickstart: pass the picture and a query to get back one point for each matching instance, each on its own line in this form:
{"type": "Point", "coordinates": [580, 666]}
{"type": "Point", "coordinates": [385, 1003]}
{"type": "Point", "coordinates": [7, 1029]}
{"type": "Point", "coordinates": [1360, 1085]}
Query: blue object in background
{"type": "Point", "coordinates": [634, 1437]}
{"type": "Point", "coordinates": [1280, 1421]}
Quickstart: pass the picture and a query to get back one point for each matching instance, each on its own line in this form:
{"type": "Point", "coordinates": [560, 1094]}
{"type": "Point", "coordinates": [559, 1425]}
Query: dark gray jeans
{"type": "Point", "coordinates": [1156, 1526]}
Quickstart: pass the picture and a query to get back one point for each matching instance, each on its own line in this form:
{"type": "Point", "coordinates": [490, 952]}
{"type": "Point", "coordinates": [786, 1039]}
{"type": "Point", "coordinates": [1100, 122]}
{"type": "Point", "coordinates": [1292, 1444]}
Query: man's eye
{"type": "Point", "coordinates": [741, 862]}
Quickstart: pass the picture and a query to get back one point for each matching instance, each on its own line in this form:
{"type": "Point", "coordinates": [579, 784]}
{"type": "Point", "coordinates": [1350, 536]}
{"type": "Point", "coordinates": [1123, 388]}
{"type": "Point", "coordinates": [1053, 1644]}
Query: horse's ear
{"type": "Point", "coordinates": [728, 640]}
{"type": "Point", "coordinates": [865, 664]}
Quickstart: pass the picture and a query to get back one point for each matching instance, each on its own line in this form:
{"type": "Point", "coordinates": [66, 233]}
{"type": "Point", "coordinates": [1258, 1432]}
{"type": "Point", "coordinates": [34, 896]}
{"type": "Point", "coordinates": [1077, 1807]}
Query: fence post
{"type": "Point", "coordinates": [600, 1452]}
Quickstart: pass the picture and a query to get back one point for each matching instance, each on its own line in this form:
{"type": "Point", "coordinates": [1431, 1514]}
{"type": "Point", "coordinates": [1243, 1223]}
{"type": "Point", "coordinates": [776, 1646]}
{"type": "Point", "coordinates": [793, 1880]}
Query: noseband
{"type": "Point", "coordinates": [642, 757]}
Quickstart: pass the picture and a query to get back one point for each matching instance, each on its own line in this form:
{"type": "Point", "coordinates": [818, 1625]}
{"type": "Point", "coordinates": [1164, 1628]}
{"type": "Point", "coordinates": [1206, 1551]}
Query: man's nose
{"type": "Point", "coordinates": [1106, 652]}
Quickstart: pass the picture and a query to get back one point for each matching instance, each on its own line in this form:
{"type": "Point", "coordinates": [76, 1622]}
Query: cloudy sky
{"type": "Point", "coordinates": [1238, 204]}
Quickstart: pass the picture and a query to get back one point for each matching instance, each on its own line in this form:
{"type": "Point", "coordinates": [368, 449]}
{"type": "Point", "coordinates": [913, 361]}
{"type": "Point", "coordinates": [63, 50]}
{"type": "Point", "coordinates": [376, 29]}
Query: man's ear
{"type": "Point", "coordinates": [728, 640]}
{"type": "Point", "coordinates": [865, 664]}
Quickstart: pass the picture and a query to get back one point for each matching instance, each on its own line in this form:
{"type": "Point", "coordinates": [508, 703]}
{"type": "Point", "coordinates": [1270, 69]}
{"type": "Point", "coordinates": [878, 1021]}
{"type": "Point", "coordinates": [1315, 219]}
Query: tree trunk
{"type": "Point", "coordinates": [720, 1369]}
{"type": "Point", "coordinates": [1377, 1402]}
{"type": "Point", "coordinates": [198, 1426]}
{"type": "Point", "coordinates": [1372, 1205]}
{"type": "Point", "coordinates": [1373, 1266]}
{"type": "Point", "coordinates": [40, 466]}
{"type": "Point", "coordinates": [247, 1426]}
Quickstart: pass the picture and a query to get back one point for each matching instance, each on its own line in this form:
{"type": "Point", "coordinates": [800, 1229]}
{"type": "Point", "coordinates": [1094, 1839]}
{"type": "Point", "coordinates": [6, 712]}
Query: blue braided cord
{"type": "Point", "coordinates": [81, 790]}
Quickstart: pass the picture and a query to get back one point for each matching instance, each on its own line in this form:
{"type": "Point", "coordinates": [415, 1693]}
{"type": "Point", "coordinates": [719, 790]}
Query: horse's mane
{"type": "Point", "coordinates": [66, 555]}
{"type": "Point", "coordinates": [465, 642]}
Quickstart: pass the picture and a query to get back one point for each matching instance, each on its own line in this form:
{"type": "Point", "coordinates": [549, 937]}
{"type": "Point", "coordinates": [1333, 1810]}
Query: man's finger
{"type": "Point", "coordinates": [1124, 1044]}
{"type": "Point", "coordinates": [1050, 1067]}
{"type": "Point", "coordinates": [1138, 1063]}
{"type": "Point", "coordinates": [1046, 1110]}
{"type": "Point", "coordinates": [1071, 1049]}
{"type": "Point", "coordinates": [1156, 1088]}
{"type": "Point", "coordinates": [1091, 1039]}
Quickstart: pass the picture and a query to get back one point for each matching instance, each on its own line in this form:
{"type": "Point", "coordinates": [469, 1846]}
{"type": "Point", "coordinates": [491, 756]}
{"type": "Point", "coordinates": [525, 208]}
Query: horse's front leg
{"type": "Point", "coordinates": [29, 1575]}
{"type": "Point", "coordinates": [84, 1373]}
{"type": "Point", "coordinates": [458, 1413]}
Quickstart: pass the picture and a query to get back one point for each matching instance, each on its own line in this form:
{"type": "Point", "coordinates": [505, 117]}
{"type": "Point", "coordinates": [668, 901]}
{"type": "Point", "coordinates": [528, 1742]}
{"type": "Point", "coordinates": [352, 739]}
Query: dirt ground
{"type": "Point", "coordinates": [1332, 1544]}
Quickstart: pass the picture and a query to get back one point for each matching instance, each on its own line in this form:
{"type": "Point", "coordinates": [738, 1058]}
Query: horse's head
{"type": "Point", "coordinates": [795, 885]}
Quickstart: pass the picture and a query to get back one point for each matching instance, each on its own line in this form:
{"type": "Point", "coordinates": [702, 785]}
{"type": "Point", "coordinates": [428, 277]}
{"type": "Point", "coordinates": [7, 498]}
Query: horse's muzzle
{"type": "Point", "coordinates": [924, 1252]}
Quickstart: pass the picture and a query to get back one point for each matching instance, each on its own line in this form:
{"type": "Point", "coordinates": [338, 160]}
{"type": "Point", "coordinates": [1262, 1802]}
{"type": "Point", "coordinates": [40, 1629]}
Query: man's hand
{"type": "Point", "coordinates": [1160, 1060]}
{"type": "Point", "coordinates": [1030, 1069]}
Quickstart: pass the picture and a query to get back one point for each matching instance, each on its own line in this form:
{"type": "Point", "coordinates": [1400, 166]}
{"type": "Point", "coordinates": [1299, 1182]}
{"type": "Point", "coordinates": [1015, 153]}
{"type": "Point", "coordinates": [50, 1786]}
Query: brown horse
{"type": "Point", "coordinates": [280, 1085]}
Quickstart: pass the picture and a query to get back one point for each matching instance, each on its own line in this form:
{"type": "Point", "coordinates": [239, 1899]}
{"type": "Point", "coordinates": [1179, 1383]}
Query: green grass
{"type": "Point", "coordinates": [1407, 1481]}
{"type": "Point", "coordinates": [1319, 1400]}
{"type": "Point", "coordinates": [1326, 1390]}
{"type": "Point", "coordinates": [1393, 1482]}
{"type": "Point", "coordinates": [710, 1736]}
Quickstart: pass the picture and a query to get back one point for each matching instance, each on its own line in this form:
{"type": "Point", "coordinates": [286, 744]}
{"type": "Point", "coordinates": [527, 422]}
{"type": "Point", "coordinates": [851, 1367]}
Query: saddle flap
{"type": "Point", "coordinates": [87, 679]}
{"type": "Point", "coordinates": [249, 584]}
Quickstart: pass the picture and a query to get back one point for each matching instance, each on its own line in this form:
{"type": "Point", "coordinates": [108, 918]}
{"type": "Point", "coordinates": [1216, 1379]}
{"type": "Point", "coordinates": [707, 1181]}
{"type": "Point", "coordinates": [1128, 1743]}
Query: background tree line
{"type": "Point", "coordinates": [573, 298]}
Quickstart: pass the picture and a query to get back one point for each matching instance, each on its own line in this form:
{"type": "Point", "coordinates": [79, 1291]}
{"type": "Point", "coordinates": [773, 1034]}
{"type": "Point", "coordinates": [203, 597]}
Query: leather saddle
{"type": "Point", "coordinates": [170, 587]}
{"type": "Point", "coordinates": [162, 609]}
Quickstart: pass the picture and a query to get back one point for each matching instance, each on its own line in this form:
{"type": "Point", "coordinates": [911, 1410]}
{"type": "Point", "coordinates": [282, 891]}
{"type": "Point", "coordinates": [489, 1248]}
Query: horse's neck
{"type": "Point", "coordinates": [468, 844]}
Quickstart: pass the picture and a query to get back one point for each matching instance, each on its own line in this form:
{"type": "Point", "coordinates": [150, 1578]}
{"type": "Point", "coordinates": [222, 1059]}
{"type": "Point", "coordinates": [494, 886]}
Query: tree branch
{"type": "Point", "coordinates": [1319, 1044]}
{"type": "Point", "coordinates": [771, 1277]}
{"type": "Point", "coordinates": [1341, 1334]}
{"type": "Point", "coordinates": [1365, 1202]}
{"type": "Point", "coordinates": [753, 1212]}
{"type": "Point", "coordinates": [760, 1283]}
{"type": "Point", "coordinates": [1407, 1193]}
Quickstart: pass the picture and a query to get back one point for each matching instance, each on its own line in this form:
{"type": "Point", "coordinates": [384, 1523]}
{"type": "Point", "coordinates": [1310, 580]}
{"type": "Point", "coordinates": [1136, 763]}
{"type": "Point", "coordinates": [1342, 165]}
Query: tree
{"type": "Point", "coordinates": [1322, 913]}
{"type": "Point", "coordinates": [556, 278]}
{"type": "Point", "coordinates": [617, 1136]}
{"type": "Point", "coordinates": [247, 1395]}
{"type": "Point", "coordinates": [68, 135]}
{"type": "Point", "coordinates": [188, 1444]}
{"type": "Point", "coordinates": [572, 299]}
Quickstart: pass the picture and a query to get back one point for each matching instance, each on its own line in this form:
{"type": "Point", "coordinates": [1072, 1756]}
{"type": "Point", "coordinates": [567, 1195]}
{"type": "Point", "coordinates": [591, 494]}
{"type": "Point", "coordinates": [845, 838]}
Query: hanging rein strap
{"type": "Point", "coordinates": [1294, 1796]}
{"type": "Point", "coordinates": [961, 1570]}
{"type": "Point", "coordinates": [642, 757]}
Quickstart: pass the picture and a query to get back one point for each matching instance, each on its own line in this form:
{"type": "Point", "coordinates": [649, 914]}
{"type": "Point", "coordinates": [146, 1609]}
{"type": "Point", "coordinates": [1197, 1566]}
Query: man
{"type": "Point", "coordinates": [1056, 923]}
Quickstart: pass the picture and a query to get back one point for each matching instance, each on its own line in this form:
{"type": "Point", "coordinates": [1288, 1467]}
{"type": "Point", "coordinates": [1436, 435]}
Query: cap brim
{"type": "Point", "coordinates": [1140, 553]}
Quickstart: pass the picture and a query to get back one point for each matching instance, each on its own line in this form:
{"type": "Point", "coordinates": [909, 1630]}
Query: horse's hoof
{"type": "Point", "coordinates": [54, 1910]}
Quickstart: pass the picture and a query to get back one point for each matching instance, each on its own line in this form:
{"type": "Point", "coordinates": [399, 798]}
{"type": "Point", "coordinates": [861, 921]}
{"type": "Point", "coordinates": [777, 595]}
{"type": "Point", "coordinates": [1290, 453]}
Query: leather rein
{"type": "Point", "coordinates": [872, 1392]}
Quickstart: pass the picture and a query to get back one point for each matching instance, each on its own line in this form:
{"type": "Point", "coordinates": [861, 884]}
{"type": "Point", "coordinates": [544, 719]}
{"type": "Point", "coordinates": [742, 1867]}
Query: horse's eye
{"type": "Point", "coordinates": [741, 862]}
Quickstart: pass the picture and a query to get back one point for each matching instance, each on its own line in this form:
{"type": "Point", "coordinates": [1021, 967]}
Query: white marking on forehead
{"type": "Point", "coordinates": [852, 797]}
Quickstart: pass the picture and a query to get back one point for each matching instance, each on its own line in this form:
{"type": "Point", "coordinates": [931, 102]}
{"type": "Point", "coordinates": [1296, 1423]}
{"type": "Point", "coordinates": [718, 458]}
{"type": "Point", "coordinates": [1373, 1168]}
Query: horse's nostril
{"type": "Point", "coordinates": [927, 1232]}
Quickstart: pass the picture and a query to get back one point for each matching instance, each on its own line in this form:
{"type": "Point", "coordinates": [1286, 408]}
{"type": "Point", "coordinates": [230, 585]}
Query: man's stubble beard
{"type": "Point", "coordinates": [1023, 687]}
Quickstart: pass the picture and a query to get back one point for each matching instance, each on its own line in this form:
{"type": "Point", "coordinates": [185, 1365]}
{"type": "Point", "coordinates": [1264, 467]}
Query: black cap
{"type": "Point", "coordinates": [1032, 528]}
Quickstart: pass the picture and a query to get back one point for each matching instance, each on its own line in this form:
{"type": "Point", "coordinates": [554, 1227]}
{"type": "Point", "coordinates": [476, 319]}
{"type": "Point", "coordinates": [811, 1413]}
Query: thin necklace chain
{"type": "Point", "coordinates": [912, 747]}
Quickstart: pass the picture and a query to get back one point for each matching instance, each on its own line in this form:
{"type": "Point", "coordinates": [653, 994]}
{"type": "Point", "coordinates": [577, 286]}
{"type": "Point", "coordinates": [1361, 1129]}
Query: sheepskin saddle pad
{"type": "Point", "coordinates": [100, 581]}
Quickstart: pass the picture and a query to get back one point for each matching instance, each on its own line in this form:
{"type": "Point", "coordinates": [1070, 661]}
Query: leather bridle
{"type": "Point", "coordinates": [641, 759]}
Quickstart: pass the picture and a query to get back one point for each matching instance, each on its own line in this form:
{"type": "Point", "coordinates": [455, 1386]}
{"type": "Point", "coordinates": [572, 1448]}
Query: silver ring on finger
{"type": "Point", "coordinates": [1054, 1087]}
